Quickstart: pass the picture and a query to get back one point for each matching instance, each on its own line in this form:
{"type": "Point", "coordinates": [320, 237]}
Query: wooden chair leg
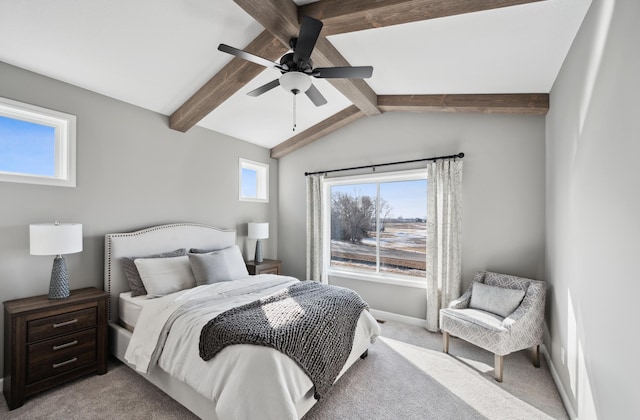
{"type": "Point", "coordinates": [498, 367]}
{"type": "Point", "coordinates": [445, 341]}
{"type": "Point", "coordinates": [536, 356]}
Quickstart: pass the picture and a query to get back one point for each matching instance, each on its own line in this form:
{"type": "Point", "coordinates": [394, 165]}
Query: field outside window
{"type": "Point", "coordinates": [378, 225]}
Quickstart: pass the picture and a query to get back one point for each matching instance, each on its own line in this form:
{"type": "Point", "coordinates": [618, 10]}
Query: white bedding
{"type": "Point", "coordinates": [129, 308]}
{"type": "Point", "coordinates": [244, 381]}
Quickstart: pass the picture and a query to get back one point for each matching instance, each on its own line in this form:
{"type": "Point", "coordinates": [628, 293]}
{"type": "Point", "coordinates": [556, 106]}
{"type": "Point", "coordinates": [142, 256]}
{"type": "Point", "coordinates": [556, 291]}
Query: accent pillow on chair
{"type": "Point", "coordinates": [497, 300]}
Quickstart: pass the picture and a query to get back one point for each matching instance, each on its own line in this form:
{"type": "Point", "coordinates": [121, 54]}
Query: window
{"type": "Point", "coordinates": [254, 181]}
{"type": "Point", "coordinates": [377, 226]}
{"type": "Point", "coordinates": [37, 145]}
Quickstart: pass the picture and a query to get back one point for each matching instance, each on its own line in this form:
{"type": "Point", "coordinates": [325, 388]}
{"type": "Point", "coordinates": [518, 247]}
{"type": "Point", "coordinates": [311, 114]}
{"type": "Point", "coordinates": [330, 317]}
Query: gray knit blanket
{"type": "Point", "coordinates": [312, 323]}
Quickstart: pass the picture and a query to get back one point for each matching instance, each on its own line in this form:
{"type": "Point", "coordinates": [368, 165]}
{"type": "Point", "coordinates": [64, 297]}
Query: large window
{"type": "Point", "coordinates": [377, 226]}
{"type": "Point", "coordinates": [37, 145]}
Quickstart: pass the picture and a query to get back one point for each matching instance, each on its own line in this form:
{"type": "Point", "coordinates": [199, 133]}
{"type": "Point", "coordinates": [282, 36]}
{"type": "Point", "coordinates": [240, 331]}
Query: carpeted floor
{"type": "Point", "coordinates": [406, 376]}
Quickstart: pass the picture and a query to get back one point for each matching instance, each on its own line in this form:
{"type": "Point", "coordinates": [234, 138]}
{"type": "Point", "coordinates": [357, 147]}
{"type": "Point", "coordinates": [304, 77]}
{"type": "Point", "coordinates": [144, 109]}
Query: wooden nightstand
{"type": "Point", "coordinates": [265, 267]}
{"type": "Point", "coordinates": [49, 342]}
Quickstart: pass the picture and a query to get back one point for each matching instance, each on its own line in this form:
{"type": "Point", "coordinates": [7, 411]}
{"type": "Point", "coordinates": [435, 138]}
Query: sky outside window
{"type": "Point", "coordinates": [249, 182]}
{"type": "Point", "coordinates": [407, 199]}
{"type": "Point", "coordinates": [26, 147]}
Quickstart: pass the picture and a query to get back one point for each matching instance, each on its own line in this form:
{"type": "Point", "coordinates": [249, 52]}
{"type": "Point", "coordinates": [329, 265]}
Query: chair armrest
{"type": "Point", "coordinates": [530, 313]}
{"type": "Point", "coordinates": [463, 301]}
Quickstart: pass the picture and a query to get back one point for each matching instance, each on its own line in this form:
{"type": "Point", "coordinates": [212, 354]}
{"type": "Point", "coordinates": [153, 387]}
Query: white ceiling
{"type": "Point", "coordinates": [156, 53]}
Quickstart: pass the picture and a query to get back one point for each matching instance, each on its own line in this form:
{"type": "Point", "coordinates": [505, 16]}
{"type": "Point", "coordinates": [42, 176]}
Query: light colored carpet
{"type": "Point", "coordinates": [406, 376]}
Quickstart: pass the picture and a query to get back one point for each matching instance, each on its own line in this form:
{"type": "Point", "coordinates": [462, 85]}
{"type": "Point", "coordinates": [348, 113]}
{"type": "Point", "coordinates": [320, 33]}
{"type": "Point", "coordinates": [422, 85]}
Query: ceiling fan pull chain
{"type": "Point", "coordinates": [294, 111]}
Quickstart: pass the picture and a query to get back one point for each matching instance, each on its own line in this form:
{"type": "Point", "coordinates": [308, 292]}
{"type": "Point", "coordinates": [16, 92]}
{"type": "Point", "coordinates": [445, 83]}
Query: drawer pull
{"type": "Point", "coordinates": [62, 324]}
{"type": "Point", "coordinates": [66, 362]}
{"type": "Point", "coordinates": [65, 345]}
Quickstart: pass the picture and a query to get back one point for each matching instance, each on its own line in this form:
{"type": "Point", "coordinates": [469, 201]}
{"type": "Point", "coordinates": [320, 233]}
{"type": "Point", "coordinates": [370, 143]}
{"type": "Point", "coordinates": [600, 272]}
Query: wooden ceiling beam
{"type": "Point", "coordinates": [356, 90]}
{"type": "Point", "coordinates": [336, 121]}
{"type": "Point", "coordinates": [231, 78]}
{"type": "Point", "coordinates": [280, 17]}
{"type": "Point", "coordinates": [517, 103]}
{"type": "Point", "coordinates": [339, 16]}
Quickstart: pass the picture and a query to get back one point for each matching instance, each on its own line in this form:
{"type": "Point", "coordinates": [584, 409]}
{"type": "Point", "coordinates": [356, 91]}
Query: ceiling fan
{"type": "Point", "coordinates": [297, 68]}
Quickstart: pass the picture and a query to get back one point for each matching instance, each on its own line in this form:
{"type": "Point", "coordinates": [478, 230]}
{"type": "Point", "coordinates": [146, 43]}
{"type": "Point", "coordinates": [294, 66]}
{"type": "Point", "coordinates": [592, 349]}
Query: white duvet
{"type": "Point", "coordinates": [244, 381]}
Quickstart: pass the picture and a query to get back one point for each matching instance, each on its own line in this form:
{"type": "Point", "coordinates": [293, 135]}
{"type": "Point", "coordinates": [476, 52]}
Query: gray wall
{"type": "Point", "coordinates": [503, 188]}
{"type": "Point", "coordinates": [593, 205]}
{"type": "Point", "coordinates": [132, 172]}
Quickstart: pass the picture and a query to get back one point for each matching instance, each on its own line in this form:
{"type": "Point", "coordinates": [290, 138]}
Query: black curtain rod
{"type": "Point", "coordinates": [458, 156]}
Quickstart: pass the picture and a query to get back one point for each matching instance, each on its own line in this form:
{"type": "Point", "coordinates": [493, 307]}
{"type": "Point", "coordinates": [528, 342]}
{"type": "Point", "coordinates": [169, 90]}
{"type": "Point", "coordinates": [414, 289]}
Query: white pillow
{"type": "Point", "coordinates": [497, 300]}
{"type": "Point", "coordinates": [162, 276]}
{"type": "Point", "coordinates": [224, 265]}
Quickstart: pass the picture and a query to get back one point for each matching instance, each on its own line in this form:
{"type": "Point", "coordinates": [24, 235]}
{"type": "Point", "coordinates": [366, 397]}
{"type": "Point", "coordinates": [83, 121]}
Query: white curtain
{"type": "Point", "coordinates": [444, 226]}
{"type": "Point", "coordinates": [314, 227]}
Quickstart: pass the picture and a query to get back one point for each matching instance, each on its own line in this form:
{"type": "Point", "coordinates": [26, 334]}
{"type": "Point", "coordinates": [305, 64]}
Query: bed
{"type": "Point", "coordinates": [240, 378]}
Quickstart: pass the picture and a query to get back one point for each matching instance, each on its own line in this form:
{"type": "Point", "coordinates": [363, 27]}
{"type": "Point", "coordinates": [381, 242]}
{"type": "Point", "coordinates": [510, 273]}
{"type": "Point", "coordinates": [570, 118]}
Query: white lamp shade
{"type": "Point", "coordinates": [55, 238]}
{"type": "Point", "coordinates": [258, 230]}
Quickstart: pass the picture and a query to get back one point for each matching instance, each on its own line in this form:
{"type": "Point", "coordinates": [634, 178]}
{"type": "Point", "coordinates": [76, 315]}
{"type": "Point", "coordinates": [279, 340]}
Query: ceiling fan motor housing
{"type": "Point", "coordinates": [288, 64]}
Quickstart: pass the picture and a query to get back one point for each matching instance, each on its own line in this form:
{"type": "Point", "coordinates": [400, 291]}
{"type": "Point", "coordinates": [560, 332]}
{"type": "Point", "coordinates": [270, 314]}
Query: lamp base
{"type": "Point", "coordinates": [258, 257]}
{"type": "Point", "coordinates": [59, 285]}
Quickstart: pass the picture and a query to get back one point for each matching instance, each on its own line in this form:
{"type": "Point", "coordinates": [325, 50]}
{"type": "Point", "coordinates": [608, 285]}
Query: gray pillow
{"type": "Point", "coordinates": [202, 251]}
{"type": "Point", "coordinates": [131, 271]}
{"type": "Point", "coordinates": [497, 300]}
{"type": "Point", "coordinates": [224, 265]}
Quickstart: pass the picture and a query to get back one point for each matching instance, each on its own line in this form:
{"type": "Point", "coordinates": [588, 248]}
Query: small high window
{"type": "Point", "coordinates": [37, 145]}
{"type": "Point", "coordinates": [254, 181]}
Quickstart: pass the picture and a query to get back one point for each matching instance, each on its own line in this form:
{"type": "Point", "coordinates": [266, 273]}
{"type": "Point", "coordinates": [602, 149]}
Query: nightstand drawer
{"type": "Point", "coordinates": [61, 347]}
{"type": "Point", "coordinates": [40, 329]}
{"type": "Point", "coordinates": [55, 364]}
{"type": "Point", "coordinates": [273, 270]}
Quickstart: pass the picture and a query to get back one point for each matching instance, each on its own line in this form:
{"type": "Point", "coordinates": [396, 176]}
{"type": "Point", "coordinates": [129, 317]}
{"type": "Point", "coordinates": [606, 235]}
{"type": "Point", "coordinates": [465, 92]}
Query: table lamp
{"type": "Point", "coordinates": [56, 239]}
{"type": "Point", "coordinates": [258, 231]}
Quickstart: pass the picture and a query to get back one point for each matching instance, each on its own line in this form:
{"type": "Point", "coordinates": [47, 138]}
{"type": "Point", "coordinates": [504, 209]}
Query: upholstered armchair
{"type": "Point", "coordinates": [499, 313]}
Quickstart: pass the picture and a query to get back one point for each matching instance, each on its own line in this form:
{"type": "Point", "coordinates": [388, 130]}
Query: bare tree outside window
{"type": "Point", "coordinates": [380, 227]}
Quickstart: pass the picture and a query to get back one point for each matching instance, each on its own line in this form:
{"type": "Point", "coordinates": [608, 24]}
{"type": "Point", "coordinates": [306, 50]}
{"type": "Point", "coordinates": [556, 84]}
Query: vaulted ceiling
{"type": "Point", "coordinates": [428, 55]}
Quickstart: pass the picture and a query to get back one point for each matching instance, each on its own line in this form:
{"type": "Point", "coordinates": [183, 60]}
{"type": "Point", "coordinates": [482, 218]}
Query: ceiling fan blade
{"type": "Point", "coordinates": [264, 88]}
{"type": "Point", "coordinates": [316, 97]}
{"type": "Point", "coordinates": [361, 72]}
{"type": "Point", "coordinates": [309, 33]}
{"type": "Point", "coordinates": [247, 56]}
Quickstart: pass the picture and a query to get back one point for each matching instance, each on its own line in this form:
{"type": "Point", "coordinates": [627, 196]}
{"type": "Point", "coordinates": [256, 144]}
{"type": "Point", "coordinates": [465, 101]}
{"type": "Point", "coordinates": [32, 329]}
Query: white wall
{"type": "Point", "coordinates": [132, 172]}
{"type": "Point", "coordinates": [503, 188]}
{"type": "Point", "coordinates": [592, 211]}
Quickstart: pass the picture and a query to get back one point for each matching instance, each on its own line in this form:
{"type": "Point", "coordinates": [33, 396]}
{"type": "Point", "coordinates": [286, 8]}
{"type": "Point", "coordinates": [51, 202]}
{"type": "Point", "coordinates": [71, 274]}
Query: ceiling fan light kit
{"type": "Point", "coordinates": [297, 68]}
{"type": "Point", "coordinates": [295, 82]}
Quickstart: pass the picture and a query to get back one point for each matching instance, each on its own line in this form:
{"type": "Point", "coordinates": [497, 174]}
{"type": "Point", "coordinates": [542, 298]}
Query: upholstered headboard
{"type": "Point", "coordinates": [154, 240]}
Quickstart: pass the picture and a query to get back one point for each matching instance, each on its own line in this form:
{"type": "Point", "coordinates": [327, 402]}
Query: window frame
{"type": "Point", "coordinates": [262, 180]}
{"type": "Point", "coordinates": [64, 126]}
{"type": "Point", "coordinates": [379, 277]}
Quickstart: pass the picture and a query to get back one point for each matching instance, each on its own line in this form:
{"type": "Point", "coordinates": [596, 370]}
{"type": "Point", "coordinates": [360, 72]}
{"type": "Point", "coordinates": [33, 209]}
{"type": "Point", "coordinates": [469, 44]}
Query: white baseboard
{"type": "Point", "coordinates": [556, 379]}
{"type": "Point", "coordinates": [390, 316]}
